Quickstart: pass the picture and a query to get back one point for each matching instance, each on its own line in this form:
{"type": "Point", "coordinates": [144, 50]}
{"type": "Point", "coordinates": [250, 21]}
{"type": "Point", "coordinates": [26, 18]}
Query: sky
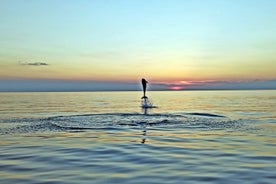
{"type": "Point", "coordinates": [112, 44]}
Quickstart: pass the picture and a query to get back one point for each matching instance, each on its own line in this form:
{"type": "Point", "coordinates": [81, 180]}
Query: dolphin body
{"type": "Point", "coordinates": [145, 101]}
{"type": "Point", "coordinates": [144, 84]}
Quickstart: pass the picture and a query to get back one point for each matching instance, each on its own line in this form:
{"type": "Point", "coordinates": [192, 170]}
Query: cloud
{"type": "Point", "coordinates": [33, 63]}
{"type": "Point", "coordinates": [218, 85]}
{"type": "Point", "coordinates": [179, 85]}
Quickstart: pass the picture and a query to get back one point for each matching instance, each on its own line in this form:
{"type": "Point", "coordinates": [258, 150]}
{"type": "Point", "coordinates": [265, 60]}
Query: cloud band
{"type": "Point", "coordinates": [33, 63]}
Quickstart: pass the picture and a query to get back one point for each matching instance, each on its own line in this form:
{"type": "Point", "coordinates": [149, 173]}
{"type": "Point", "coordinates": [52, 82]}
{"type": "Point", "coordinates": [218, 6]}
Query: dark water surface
{"type": "Point", "coordinates": [96, 137]}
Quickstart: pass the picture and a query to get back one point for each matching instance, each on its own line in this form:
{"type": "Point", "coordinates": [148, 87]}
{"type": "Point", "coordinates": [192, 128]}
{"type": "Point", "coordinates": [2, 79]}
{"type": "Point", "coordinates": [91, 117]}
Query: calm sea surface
{"type": "Point", "coordinates": [105, 137]}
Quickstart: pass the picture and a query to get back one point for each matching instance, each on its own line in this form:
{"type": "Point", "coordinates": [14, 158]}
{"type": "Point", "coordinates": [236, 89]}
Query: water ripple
{"type": "Point", "coordinates": [88, 122]}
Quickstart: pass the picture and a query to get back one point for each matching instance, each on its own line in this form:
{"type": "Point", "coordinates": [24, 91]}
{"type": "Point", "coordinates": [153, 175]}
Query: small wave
{"type": "Point", "coordinates": [205, 114]}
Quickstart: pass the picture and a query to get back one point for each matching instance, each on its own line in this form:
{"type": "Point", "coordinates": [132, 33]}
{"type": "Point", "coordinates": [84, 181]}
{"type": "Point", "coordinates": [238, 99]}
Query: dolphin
{"type": "Point", "coordinates": [144, 84]}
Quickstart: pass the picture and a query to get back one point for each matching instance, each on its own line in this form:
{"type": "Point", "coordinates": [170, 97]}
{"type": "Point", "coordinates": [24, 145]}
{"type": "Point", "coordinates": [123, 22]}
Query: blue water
{"type": "Point", "coordinates": [105, 137]}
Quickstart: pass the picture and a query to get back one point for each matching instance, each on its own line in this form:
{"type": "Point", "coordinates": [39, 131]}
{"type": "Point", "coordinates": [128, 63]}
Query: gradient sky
{"type": "Point", "coordinates": [176, 43]}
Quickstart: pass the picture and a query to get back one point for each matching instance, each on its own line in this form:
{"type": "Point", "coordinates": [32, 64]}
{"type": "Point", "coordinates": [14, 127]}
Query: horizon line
{"type": "Point", "coordinates": [120, 90]}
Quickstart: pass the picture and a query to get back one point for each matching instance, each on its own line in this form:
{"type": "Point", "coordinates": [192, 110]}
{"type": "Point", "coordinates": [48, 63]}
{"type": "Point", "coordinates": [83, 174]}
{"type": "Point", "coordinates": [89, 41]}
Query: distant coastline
{"type": "Point", "coordinates": [82, 86]}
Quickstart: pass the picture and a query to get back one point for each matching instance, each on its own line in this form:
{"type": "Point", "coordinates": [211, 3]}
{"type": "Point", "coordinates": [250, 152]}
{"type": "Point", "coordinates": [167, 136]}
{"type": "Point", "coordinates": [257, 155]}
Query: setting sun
{"type": "Point", "coordinates": [176, 88]}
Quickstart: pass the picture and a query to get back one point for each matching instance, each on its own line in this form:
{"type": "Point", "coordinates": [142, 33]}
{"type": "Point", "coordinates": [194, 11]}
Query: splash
{"type": "Point", "coordinates": [146, 103]}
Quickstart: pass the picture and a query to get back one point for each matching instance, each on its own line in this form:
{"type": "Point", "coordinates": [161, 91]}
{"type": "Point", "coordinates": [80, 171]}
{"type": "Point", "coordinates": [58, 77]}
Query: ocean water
{"type": "Point", "coordinates": [105, 137]}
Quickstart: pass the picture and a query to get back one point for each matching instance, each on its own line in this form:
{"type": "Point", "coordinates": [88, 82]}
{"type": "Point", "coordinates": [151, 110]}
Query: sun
{"type": "Point", "coordinates": [176, 88]}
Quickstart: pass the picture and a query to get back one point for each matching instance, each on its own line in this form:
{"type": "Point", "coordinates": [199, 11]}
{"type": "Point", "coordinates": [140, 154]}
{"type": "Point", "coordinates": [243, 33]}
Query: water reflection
{"type": "Point", "coordinates": [145, 111]}
{"type": "Point", "coordinates": [144, 136]}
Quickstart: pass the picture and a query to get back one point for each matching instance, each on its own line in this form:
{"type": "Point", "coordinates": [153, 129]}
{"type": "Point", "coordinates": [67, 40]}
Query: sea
{"type": "Point", "coordinates": [106, 137]}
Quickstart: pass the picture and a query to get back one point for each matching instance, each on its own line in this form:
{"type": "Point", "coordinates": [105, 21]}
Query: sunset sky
{"type": "Point", "coordinates": [175, 44]}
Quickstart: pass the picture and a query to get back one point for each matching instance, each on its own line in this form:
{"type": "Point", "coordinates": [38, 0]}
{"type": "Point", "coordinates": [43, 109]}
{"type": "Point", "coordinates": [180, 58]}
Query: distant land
{"type": "Point", "coordinates": [63, 86]}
